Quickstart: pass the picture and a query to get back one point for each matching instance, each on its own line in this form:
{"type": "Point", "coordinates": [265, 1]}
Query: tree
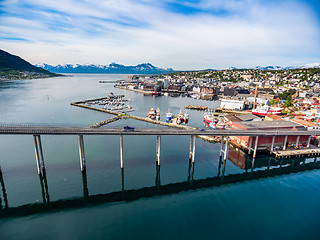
{"type": "Point", "coordinates": [288, 103]}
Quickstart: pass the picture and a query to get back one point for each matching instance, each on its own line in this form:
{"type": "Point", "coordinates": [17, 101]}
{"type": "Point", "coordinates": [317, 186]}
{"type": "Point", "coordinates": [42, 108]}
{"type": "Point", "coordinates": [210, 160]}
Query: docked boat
{"type": "Point", "coordinates": [212, 121]}
{"type": "Point", "coordinates": [158, 114]}
{"type": "Point", "coordinates": [180, 118]}
{"type": "Point", "coordinates": [220, 125]}
{"type": "Point", "coordinates": [155, 93]}
{"type": "Point", "coordinates": [168, 116]}
{"type": "Point", "coordinates": [265, 110]}
{"type": "Point", "coordinates": [209, 119]}
{"type": "Point", "coordinates": [186, 118]}
{"type": "Point", "coordinates": [152, 113]}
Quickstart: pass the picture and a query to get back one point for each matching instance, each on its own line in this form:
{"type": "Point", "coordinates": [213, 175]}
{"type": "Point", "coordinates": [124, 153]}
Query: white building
{"type": "Point", "coordinates": [232, 104]}
{"type": "Point", "coordinates": [166, 83]}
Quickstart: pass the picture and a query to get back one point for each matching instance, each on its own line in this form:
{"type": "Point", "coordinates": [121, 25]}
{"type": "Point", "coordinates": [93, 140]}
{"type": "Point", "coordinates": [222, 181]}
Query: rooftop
{"type": "Point", "coordinates": [304, 122]}
{"type": "Point", "coordinates": [271, 124]}
{"type": "Point", "coordinates": [249, 117]}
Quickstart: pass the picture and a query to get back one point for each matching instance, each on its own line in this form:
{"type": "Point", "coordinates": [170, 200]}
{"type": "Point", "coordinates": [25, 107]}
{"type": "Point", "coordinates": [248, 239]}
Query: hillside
{"type": "Point", "coordinates": [13, 67]}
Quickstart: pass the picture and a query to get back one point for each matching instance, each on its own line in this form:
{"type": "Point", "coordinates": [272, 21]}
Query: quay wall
{"type": "Point", "coordinates": [134, 90]}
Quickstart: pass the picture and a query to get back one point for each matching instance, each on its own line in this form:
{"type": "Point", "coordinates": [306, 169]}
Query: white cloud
{"type": "Point", "coordinates": [247, 33]}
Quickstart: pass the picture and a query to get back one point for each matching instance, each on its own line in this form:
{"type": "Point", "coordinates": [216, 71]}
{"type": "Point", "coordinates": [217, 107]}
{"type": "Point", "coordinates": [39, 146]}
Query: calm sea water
{"type": "Point", "coordinates": [176, 201]}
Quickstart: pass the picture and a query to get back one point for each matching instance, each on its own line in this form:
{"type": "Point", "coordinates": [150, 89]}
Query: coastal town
{"type": "Point", "coordinates": [250, 99]}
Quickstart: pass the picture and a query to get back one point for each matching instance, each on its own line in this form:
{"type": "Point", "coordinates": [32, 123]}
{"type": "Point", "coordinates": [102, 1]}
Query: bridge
{"type": "Point", "coordinates": [36, 130]}
{"type": "Point", "coordinates": [66, 129]}
{"type": "Point", "coordinates": [32, 129]}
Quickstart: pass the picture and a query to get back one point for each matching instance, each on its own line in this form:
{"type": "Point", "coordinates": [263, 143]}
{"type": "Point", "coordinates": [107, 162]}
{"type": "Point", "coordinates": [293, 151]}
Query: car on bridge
{"type": "Point", "coordinates": [128, 128]}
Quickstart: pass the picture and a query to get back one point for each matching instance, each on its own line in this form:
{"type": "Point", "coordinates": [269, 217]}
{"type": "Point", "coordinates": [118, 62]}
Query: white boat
{"type": "Point", "coordinates": [180, 118]}
{"type": "Point", "coordinates": [158, 114]}
{"type": "Point", "coordinates": [186, 118]}
{"type": "Point", "coordinates": [209, 119]}
{"type": "Point", "coordinates": [168, 116]}
{"type": "Point", "coordinates": [151, 114]}
{"type": "Point", "coordinates": [220, 125]}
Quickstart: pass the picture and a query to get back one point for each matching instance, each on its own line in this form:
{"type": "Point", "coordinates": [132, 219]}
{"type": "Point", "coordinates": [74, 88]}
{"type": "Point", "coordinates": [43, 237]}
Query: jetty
{"type": "Point", "coordinates": [194, 107]}
{"type": "Point", "coordinates": [219, 110]}
{"type": "Point", "coordinates": [312, 151]}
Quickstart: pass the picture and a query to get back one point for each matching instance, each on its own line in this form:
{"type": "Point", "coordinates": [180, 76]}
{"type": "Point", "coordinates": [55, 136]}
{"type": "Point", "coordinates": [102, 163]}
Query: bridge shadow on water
{"type": "Point", "coordinates": [267, 167]}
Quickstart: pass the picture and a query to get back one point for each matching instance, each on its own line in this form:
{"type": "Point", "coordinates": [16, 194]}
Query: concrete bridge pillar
{"type": "Point", "coordinates": [39, 154]}
{"type": "Point", "coordinates": [297, 142]}
{"type": "Point", "coordinates": [221, 147]}
{"type": "Point", "coordinates": [225, 155]}
{"type": "Point", "coordinates": [81, 153]}
{"type": "Point", "coordinates": [272, 144]}
{"type": "Point", "coordinates": [121, 151]}
{"type": "Point", "coordinates": [158, 149]}
{"type": "Point", "coordinates": [250, 145]}
{"type": "Point", "coordinates": [285, 142]}
{"type": "Point", "coordinates": [308, 144]}
{"type": "Point", "coordinates": [255, 152]}
{"type": "Point", "coordinates": [193, 147]}
{"type": "Point", "coordinates": [226, 149]}
{"type": "Point", "coordinates": [190, 149]}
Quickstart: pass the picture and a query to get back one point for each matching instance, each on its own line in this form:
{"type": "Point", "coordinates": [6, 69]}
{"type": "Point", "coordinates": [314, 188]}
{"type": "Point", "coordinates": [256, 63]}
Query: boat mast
{"type": "Point", "coordinates": [255, 97]}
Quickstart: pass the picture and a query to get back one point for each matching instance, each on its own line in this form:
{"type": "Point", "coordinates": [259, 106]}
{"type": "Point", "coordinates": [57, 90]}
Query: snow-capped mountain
{"type": "Point", "coordinates": [268, 68]}
{"type": "Point", "coordinates": [311, 65]}
{"type": "Point", "coordinates": [144, 68]}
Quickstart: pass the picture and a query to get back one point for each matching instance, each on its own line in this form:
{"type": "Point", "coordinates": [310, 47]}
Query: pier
{"type": "Point", "coordinates": [194, 107]}
{"type": "Point", "coordinates": [219, 110]}
{"type": "Point", "coordinates": [296, 153]}
{"type": "Point", "coordinates": [133, 90]}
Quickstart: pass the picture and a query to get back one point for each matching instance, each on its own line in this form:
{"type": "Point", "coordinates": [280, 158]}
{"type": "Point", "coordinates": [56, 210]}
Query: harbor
{"type": "Point", "coordinates": [212, 119]}
{"type": "Point", "coordinates": [113, 198]}
{"type": "Point", "coordinates": [174, 121]}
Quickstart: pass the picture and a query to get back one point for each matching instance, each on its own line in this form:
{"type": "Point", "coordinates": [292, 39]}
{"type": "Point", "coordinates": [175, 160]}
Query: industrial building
{"type": "Point", "coordinates": [267, 142]}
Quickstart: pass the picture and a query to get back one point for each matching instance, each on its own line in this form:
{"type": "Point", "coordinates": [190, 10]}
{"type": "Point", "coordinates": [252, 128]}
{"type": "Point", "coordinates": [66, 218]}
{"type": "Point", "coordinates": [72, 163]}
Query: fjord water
{"type": "Point", "coordinates": [280, 207]}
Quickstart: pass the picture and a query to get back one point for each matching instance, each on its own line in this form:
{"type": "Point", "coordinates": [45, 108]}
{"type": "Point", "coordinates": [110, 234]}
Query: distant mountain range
{"type": "Point", "coordinates": [311, 65]}
{"type": "Point", "coordinates": [144, 68]}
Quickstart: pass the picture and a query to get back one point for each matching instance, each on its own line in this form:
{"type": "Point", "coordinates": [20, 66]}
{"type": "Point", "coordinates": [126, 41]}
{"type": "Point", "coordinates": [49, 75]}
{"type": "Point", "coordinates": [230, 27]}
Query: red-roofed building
{"type": "Point", "coordinates": [268, 142]}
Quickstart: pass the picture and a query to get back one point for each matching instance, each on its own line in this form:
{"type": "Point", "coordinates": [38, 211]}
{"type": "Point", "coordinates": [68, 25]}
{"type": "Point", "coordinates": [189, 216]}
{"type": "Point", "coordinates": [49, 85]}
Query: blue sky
{"type": "Point", "coordinates": [193, 34]}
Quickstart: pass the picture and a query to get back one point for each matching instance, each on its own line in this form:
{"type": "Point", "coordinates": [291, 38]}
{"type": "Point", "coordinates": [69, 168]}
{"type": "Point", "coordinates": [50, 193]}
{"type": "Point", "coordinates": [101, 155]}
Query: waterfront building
{"type": "Point", "coordinates": [268, 142]}
{"type": "Point", "coordinates": [307, 124]}
{"type": "Point", "coordinates": [230, 119]}
{"type": "Point", "coordinates": [232, 104]}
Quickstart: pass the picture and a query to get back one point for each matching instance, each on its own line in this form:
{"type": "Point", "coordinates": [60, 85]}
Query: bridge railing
{"type": "Point", "coordinates": [44, 125]}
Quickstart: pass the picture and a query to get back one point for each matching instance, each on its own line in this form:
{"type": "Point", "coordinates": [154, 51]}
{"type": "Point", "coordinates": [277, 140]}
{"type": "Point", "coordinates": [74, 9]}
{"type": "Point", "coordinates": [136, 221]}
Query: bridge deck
{"type": "Point", "coordinates": [53, 130]}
